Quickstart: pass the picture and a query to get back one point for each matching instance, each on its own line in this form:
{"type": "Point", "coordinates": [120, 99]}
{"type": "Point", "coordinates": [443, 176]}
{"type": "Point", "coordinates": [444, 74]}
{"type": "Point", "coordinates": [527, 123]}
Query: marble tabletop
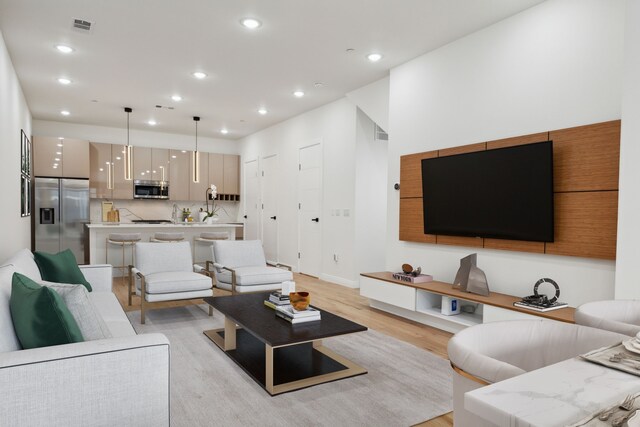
{"type": "Point", "coordinates": [556, 395]}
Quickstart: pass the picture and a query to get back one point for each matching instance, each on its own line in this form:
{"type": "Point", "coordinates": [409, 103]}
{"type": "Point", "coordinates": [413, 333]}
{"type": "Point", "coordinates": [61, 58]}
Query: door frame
{"type": "Point", "coordinates": [262, 186]}
{"type": "Point", "coordinates": [244, 199]}
{"type": "Point", "coordinates": [313, 142]}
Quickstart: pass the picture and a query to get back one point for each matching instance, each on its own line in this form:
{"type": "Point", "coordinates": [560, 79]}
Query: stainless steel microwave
{"type": "Point", "coordinates": [150, 189]}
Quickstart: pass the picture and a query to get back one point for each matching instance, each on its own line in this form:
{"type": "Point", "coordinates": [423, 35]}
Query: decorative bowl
{"type": "Point", "coordinates": [299, 300]}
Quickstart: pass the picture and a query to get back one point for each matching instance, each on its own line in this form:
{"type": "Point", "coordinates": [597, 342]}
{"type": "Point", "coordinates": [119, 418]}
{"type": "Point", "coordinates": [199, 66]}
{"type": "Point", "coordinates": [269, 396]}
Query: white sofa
{"type": "Point", "coordinates": [123, 380]}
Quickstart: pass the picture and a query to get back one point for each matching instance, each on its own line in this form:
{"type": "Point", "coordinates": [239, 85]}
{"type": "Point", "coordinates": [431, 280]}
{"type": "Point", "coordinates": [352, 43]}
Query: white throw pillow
{"type": "Point", "coordinates": [76, 297]}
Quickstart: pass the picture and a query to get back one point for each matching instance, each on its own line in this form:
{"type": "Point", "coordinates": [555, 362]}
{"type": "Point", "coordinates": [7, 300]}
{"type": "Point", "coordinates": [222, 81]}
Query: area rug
{"type": "Point", "coordinates": [405, 385]}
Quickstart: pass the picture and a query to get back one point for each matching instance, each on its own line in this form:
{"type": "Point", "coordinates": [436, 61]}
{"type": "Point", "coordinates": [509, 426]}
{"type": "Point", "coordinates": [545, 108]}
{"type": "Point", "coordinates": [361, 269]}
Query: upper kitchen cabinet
{"type": "Point", "coordinates": [231, 184]}
{"type": "Point", "coordinates": [216, 171]}
{"type": "Point", "coordinates": [197, 190]}
{"type": "Point", "coordinates": [159, 164]}
{"type": "Point", "coordinates": [61, 157]}
{"type": "Point", "coordinates": [179, 174]}
{"type": "Point", "coordinates": [100, 179]}
{"type": "Point", "coordinates": [107, 167]}
{"type": "Point", "coordinates": [142, 163]}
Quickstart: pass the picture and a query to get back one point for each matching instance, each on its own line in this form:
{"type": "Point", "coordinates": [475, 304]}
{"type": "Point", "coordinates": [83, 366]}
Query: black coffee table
{"type": "Point", "coordinates": [279, 356]}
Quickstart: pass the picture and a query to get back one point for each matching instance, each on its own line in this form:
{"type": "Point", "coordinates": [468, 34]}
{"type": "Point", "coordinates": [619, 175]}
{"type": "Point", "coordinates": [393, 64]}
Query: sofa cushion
{"type": "Point", "coordinates": [176, 281]}
{"type": "Point", "coordinates": [238, 253]}
{"type": "Point", "coordinates": [76, 297]}
{"type": "Point", "coordinates": [8, 339]}
{"type": "Point", "coordinates": [258, 275]}
{"type": "Point", "coordinates": [111, 312]}
{"type": "Point", "coordinates": [40, 316]}
{"type": "Point", "coordinates": [60, 268]}
{"type": "Point", "coordinates": [25, 264]}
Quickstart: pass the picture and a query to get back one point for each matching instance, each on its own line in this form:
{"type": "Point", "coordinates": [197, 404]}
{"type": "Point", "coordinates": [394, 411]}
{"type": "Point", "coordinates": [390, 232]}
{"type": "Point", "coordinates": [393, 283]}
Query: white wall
{"type": "Point", "coordinates": [333, 125]}
{"type": "Point", "coordinates": [373, 99]}
{"type": "Point", "coordinates": [556, 65]}
{"type": "Point", "coordinates": [628, 253]}
{"type": "Point", "coordinates": [14, 115]}
{"type": "Point", "coordinates": [141, 138]}
{"type": "Point", "coordinates": [371, 197]}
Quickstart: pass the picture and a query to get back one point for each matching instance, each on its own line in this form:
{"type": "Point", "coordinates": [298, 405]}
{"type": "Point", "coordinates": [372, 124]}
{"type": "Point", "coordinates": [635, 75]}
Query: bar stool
{"type": "Point", "coordinates": [167, 237]}
{"type": "Point", "coordinates": [123, 240]}
{"type": "Point", "coordinates": [208, 237]}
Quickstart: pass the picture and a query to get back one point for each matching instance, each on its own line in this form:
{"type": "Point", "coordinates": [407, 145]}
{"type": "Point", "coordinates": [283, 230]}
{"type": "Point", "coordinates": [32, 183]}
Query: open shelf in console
{"type": "Point", "coordinates": [431, 303]}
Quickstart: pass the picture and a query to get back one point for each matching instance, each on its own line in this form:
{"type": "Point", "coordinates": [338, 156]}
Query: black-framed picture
{"type": "Point", "coordinates": [25, 175]}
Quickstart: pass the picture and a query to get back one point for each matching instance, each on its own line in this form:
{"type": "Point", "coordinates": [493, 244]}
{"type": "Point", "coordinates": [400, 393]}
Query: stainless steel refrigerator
{"type": "Point", "coordinates": [61, 212]}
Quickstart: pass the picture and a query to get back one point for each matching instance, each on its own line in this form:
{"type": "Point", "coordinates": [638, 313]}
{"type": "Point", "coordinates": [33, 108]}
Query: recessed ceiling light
{"type": "Point", "coordinates": [59, 153]}
{"type": "Point", "coordinates": [183, 151]}
{"type": "Point", "coordinates": [64, 81]}
{"type": "Point", "coordinates": [174, 157]}
{"type": "Point", "coordinates": [57, 159]}
{"type": "Point", "coordinates": [64, 49]}
{"type": "Point", "coordinates": [199, 75]}
{"type": "Point", "coordinates": [298, 94]}
{"type": "Point", "coordinates": [118, 158]}
{"type": "Point", "coordinates": [224, 131]}
{"type": "Point", "coordinates": [59, 145]}
{"type": "Point", "coordinates": [374, 57]}
{"type": "Point", "coordinates": [65, 112]}
{"type": "Point", "coordinates": [101, 169]}
{"type": "Point", "coordinates": [176, 98]}
{"type": "Point", "coordinates": [151, 123]}
{"type": "Point", "coordinates": [250, 23]}
{"type": "Point", "coordinates": [61, 138]}
{"type": "Point", "coordinates": [262, 111]}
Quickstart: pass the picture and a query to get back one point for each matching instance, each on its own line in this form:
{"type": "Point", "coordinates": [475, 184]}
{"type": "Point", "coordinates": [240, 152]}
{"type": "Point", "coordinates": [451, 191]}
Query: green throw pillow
{"type": "Point", "coordinates": [40, 316]}
{"type": "Point", "coordinates": [60, 268]}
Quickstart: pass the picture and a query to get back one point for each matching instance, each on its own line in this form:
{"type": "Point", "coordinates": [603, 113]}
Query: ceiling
{"type": "Point", "coordinates": [140, 53]}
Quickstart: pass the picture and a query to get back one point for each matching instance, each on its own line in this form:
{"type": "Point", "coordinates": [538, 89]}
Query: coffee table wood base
{"type": "Point", "coordinates": [285, 368]}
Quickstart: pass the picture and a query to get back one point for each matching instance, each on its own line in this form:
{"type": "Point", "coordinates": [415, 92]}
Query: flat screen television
{"type": "Point", "coordinates": [504, 193]}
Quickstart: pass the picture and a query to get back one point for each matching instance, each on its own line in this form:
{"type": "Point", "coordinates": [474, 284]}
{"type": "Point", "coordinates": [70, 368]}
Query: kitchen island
{"type": "Point", "coordinates": [98, 233]}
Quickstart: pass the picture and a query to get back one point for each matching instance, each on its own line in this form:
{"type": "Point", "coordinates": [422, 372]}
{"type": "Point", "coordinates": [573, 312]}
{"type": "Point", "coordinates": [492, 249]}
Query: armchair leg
{"type": "Point", "coordinates": [210, 311]}
{"type": "Point", "coordinates": [143, 291]}
{"type": "Point", "coordinates": [130, 281]}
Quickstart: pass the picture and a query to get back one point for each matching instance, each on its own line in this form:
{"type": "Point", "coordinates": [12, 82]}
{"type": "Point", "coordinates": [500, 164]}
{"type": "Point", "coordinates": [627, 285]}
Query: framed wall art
{"type": "Point", "coordinates": [25, 175]}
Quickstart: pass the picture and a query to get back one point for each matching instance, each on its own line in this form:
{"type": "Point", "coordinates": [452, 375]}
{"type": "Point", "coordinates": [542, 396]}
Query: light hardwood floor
{"type": "Point", "coordinates": [348, 303]}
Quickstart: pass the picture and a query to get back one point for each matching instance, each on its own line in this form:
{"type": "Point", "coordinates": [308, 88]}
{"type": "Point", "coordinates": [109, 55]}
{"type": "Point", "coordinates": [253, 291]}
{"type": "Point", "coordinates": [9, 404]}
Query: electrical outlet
{"type": "Point", "coordinates": [346, 212]}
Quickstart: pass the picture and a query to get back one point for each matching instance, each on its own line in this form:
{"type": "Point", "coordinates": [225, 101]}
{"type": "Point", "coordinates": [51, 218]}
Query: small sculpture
{"type": "Point", "coordinates": [470, 278]}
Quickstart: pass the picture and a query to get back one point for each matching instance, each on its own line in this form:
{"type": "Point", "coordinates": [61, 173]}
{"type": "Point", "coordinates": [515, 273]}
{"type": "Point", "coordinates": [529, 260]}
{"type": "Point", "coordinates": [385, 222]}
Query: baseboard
{"type": "Point", "coordinates": [340, 281]}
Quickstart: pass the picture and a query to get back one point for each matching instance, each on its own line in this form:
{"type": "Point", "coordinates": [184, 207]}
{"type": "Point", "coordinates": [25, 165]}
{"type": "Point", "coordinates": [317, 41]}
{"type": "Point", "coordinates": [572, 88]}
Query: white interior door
{"type": "Point", "coordinates": [251, 200]}
{"type": "Point", "coordinates": [310, 207]}
{"type": "Point", "coordinates": [270, 208]}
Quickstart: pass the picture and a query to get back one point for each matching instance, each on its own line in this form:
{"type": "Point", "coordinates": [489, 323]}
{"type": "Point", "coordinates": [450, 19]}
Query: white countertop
{"type": "Point", "coordinates": [163, 225]}
{"type": "Point", "coordinates": [556, 395]}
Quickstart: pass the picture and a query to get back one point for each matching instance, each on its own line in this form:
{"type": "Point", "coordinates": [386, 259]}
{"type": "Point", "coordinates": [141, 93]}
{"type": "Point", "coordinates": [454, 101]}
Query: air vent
{"type": "Point", "coordinates": [379, 133]}
{"type": "Point", "coordinates": [81, 24]}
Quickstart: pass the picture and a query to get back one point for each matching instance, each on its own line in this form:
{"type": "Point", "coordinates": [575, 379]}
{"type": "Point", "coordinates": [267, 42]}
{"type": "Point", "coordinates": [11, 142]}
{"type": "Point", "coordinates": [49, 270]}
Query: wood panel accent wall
{"type": "Point", "coordinates": [586, 166]}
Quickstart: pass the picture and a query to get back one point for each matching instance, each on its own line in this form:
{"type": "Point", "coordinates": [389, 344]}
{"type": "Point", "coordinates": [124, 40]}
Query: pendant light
{"type": "Point", "coordinates": [127, 149]}
{"type": "Point", "coordinates": [195, 156]}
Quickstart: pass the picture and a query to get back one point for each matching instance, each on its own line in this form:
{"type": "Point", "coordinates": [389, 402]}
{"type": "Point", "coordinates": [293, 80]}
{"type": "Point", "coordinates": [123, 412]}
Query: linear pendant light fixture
{"type": "Point", "coordinates": [195, 156]}
{"type": "Point", "coordinates": [127, 149]}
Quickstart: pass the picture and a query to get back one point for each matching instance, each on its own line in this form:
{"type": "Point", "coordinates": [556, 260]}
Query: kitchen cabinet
{"type": "Point", "coordinates": [179, 175]}
{"type": "Point", "coordinates": [159, 164]}
{"type": "Point", "coordinates": [216, 171]}
{"type": "Point", "coordinates": [197, 190]}
{"type": "Point", "coordinates": [142, 163]}
{"type": "Point", "coordinates": [231, 169]}
{"type": "Point", "coordinates": [106, 180]}
{"type": "Point", "coordinates": [70, 155]}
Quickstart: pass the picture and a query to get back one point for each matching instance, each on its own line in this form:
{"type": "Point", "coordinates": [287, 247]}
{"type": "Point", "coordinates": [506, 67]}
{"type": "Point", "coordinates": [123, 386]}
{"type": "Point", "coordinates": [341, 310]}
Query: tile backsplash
{"type": "Point", "coordinates": [162, 209]}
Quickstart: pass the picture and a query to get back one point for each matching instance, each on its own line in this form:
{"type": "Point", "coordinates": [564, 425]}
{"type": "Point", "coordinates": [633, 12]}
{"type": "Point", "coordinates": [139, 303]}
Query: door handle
{"type": "Point", "coordinates": [245, 217]}
{"type": "Point", "coordinates": [315, 219]}
{"type": "Point", "coordinates": [273, 217]}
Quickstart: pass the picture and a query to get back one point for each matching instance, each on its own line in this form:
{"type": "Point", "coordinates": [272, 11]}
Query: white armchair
{"type": "Point", "coordinates": [240, 266]}
{"type": "Point", "coordinates": [491, 352]}
{"type": "Point", "coordinates": [621, 316]}
{"type": "Point", "coordinates": [164, 272]}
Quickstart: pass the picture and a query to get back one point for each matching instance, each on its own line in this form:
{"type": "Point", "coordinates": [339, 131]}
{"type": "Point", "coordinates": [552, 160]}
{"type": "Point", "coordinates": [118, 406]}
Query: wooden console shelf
{"type": "Point", "coordinates": [495, 299]}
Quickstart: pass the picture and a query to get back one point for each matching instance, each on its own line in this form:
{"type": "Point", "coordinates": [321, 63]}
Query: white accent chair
{"type": "Point", "coordinates": [240, 266]}
{"type": "Point", "coordinates": [165, 273]}
{"type": "Point", "coordinates": [491, 352]}
{"type": "Point", "coordinates": [621, 316]}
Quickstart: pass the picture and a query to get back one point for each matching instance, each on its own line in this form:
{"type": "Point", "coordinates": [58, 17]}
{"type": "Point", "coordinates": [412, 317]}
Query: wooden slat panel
{"type": "Point", "coordinates": [518, 140]}
{"type": "Point", "coordinates": [412, 222]}
{"type": "Point", "coordinates": [586, 158]}
{"type": "Point", "coordinates": [411, 173]}
{"type": "Point", "coordinates": [585, 224]}
{"type": "Point", "coordinates": [471, 148]}
{"type": "Point", "coordinates": [514, 245]}
{"type": "Point", "coordinates": [473, 242]}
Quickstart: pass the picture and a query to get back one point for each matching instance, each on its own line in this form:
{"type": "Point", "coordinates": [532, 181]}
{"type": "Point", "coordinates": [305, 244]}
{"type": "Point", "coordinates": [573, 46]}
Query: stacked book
{"type": "Point", "coordinates": [540, 307]}
{"type": "Point", "coordinates": [292, 315]}
{"type": "Point", "coordinates": [276, 299]}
